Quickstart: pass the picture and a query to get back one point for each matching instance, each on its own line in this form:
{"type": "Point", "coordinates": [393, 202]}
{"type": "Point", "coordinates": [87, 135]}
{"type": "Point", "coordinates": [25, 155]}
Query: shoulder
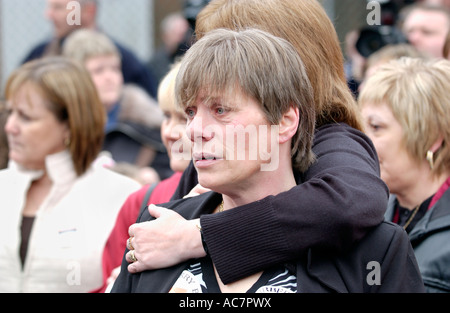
{"type": "Point", "coordinates": [189, 208]}
{"type": "Point", "coordinates": [339, 146]}
{"type": "Point", "coordinates": [336, 134]}
{"type": "Point", "coordinates": [36, 51]}
{"type": "Point", "coordinates": [164, 191]}
{"type": "Point", "coordinates": [107, 179]}
{"type": "Point", "coordinates": [386, 232]}
{"type": "Point", "coordinates": [384, 243]}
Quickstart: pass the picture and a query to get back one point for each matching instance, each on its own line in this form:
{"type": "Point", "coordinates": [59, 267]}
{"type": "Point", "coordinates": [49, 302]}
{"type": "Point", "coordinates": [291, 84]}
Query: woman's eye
{"type": "Point", "coordinates": [21, 115]}
{"type": "Point", "coordinates": [374, 126]}
{"type": "Point", "coordinates": [190, 113]}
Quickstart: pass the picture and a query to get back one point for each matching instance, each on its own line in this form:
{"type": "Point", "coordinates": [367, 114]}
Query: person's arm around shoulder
{"type": "Point", "coordinates": [341, 199]}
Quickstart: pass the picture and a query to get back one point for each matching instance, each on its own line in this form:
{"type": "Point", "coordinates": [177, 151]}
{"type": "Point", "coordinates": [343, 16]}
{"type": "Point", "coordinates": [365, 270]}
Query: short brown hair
{"type": "Point", "coordinates": [307, 27]}
{"type": "Point", "coordinates": [264, 67]}
{"type": "Point", "coordinates": [72, 97]}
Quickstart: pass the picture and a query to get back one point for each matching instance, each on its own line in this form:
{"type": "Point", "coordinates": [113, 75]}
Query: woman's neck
{"type": "Point", "coordinates": [268, 184]}
{"type": "Point", "coordinates": [421, 191]}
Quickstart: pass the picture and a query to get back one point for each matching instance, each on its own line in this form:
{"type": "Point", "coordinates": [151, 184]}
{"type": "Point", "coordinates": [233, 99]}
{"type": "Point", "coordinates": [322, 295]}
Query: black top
{"type": "Point", "coordinates": [383, 261]}
{"type": "Point", "coordinates": [133, 70]}
{"type": "Point", "coordinates": [341, 199]}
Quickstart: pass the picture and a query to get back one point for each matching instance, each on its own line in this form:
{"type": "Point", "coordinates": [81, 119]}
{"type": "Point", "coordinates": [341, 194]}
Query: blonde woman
{"type": "Point", "coordinates": [407, 115]}
{"type": "Point", "coordinates": [57, 208]}
{"type": "Point", "coordinates": [173, 134]}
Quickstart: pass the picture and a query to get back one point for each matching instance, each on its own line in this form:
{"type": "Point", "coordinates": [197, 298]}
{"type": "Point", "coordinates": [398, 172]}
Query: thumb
{"type": "Point", "coordinates": [136, 267]}
{"type": "Point", "coordinates": [156, 211]}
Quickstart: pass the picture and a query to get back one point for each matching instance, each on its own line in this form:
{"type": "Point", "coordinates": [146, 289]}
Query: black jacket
{"type": "Point", "coordinates": [431, 244]}
{"type": "Point", "coordinates": [339, 199]}
{"type": "Point", "coordinates": [133, 70]}
{"type": "Point", "coordinates": [382, 262]}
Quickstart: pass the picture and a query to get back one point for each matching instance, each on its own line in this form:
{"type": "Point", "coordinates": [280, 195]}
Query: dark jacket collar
{"type": "Point", "coordinates": [437, 218]}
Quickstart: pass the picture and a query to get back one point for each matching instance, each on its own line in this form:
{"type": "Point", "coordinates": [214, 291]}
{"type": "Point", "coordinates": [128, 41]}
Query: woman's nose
{"type": "Point", "coordinates": [11, 125]}
{"type": "Point", "coordinates": [201, 127]}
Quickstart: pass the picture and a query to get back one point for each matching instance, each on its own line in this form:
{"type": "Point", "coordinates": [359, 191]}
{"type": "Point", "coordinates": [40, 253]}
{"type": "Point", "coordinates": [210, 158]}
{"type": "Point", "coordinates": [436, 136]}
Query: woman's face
{"type": "Point", "coordinates": [398, 169]}
{"type": "Point", "coordinates": [32, 130]}
{"type": "Point", "coordinates": [107, 75]}
{"type": "Point", "coordinates": [178, 145]}
{"type": "Point", "coordinates": [227, 133]}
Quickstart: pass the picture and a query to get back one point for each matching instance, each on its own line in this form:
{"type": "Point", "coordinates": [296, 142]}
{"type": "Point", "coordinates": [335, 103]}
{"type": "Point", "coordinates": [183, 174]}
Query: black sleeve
{"type": "Point", "coordinates": [36, 52]}
{"type": "Point", "coordinates": [341, 198]}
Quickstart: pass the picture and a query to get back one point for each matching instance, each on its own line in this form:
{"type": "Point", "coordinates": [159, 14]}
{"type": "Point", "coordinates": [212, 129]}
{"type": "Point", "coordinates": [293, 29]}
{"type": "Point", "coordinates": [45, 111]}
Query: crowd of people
{"type": "Point", "coordinates": [244, 162]}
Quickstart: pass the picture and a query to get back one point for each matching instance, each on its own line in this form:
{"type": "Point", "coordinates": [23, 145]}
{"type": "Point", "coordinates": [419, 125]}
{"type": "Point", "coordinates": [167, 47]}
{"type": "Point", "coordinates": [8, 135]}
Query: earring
{"type": "Point", "coordinates": [430, 158]}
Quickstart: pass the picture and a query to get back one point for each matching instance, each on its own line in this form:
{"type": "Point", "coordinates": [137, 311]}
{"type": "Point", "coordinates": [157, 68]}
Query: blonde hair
{"type": "Point", "coordinates": [84, 44]}
{"type": "Point", "coordinates": [307, 27]}
{"type": "Point", "coordinates": [72, 97]}
{"type": "Point", "coordinates": [264, 67]}
{"type": "Point", "coordinates": [392, 52]}
{"type": "Point", "coordinates": [166, 90]}
{"type": "Point", "coordinates": [416, 90]}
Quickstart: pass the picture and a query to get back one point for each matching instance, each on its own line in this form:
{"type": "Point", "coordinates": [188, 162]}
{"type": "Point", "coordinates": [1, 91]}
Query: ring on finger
{"type": "Point", "coordinates": [129, 245]}
{"type": "Point", "coordinates": [132, 256]}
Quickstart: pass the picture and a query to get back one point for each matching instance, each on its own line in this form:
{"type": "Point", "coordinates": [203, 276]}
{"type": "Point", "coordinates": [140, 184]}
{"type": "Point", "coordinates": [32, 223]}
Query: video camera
{"type": "Point", "coordinates": [373, 38]}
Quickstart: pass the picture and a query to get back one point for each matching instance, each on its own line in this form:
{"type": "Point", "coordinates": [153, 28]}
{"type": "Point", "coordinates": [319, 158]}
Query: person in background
{"type": "Point", "coordinates": [3, 140]}
{"type": "Point", "coordinates": [57, 207]}
{"type": "Point", "coordinates": [445, 3]}
{"type": "Point", "coordinates": [173, 133]}
{"type": "Point", "coordinates": [425, 26]}
{"type": "Point", "coordinates": [174, 32]}
{"type": "Point", "coordinates": [132, 132]}
{"type": "Point", "coordinates": [386, 54]}
{"type": "Point", "coordinates": [134, 71]}
{"type": "Point", "coordinates": [406, 108]}
{"type": "Point", "coordinates": [333, 193]}
{"type": "Point", "coordinates": [234, 82]}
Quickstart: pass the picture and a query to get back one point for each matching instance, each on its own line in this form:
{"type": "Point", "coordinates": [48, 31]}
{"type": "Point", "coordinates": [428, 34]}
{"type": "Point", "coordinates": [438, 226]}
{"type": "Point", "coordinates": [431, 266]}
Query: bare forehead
{"type": "Point", "coordinates": [427, 18]}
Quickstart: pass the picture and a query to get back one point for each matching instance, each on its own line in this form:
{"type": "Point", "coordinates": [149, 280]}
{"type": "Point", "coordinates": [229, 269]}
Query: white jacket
{"type": "Point", "coordinates": [69, 231]}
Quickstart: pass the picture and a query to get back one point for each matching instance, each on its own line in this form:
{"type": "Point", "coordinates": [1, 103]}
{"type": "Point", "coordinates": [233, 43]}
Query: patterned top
{"type": "Point", "coordinates": [199, 277]}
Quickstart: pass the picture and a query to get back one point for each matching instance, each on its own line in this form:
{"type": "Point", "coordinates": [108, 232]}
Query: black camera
{"type": "Point", "coordinates": [373, 38]}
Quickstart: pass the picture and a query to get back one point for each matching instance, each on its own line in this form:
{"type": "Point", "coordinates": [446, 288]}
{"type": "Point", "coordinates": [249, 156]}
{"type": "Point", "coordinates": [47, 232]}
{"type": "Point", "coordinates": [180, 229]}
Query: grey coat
{"type": "Point", "coordinates": [430, 239]}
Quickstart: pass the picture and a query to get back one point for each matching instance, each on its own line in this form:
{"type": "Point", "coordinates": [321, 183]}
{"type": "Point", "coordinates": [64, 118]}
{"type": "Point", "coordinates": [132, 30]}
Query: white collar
{"type": "Point", "coordinates": [59, 166]}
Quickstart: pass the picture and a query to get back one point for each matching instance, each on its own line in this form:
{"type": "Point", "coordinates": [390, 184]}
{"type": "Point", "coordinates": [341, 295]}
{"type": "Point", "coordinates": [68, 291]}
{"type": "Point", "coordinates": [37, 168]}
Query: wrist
{"type": "Point", "coordinates": [205, 247]}
{"type": "Point", "coordinates": [197, 245]}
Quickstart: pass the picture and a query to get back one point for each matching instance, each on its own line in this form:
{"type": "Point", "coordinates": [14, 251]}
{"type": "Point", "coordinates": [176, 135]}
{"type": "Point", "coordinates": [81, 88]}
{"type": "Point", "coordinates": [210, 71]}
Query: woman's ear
{"type": "Point", "coordinates": [437, 144]}
{"type": "Point", "coordinates": [288, 125]}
